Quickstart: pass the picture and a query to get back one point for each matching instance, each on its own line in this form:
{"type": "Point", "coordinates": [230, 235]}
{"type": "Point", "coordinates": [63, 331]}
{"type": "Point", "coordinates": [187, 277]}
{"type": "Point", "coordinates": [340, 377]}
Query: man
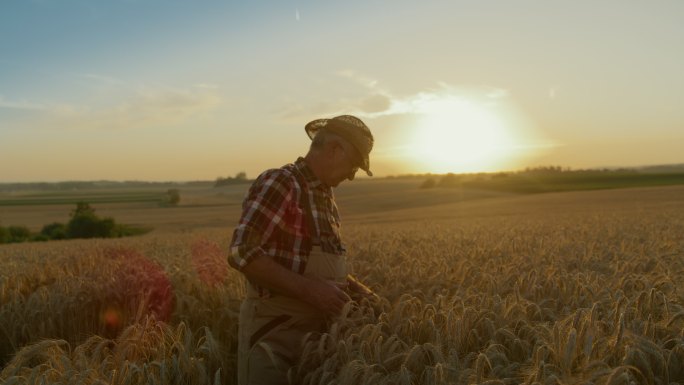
{"type": "Point", "coordinates": [288, 246]}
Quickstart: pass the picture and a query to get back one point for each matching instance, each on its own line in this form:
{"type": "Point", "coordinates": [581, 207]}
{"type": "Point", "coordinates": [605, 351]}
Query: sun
{"type": "Point", "coordinates": [460, 135]}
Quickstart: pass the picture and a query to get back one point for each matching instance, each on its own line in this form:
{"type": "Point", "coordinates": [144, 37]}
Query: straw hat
{"type": "Point", "coordinates": [351, 129]}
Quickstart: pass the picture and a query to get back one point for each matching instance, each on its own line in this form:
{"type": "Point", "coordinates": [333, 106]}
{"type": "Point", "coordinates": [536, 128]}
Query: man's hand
{"type": "Point", "coordinates": [329, 296]}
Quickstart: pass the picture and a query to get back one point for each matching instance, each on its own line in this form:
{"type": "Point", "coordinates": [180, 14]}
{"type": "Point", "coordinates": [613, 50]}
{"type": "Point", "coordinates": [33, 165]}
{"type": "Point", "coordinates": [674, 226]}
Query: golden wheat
{"type": "Point", "coordinates": [573, 298]}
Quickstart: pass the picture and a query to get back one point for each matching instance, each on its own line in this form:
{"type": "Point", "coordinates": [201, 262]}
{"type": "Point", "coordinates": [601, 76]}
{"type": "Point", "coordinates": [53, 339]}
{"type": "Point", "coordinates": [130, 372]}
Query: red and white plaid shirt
{"type": "Point", "coordinates": [274, 219]}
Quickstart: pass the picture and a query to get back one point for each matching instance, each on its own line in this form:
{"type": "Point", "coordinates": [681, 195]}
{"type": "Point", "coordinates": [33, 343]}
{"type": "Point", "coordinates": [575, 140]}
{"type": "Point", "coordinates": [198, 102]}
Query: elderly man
{"type": "Point", "coordinates": [288, 245]}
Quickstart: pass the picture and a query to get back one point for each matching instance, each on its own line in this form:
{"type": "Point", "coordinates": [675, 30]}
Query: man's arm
{"type": "Point", "coordinates": [263, 213]}
{"type": "Point", "coordinates": [327, 296]}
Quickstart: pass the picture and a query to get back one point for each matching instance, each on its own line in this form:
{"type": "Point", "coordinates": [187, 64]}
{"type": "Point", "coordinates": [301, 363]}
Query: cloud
{"type": "Point", "coordinates": [381, 102]}
{"type": "Point", "coordinates": [375, 103]}
{"type": "Point", "coordinates": [150, 107]}
{"type": "Point", "coordinates": [21, 104]}
{"type": "Point", "coordinates": [363, 97]}
{"type": "Point", "coordinates": [207, 86]}
{"type": "Point", "coordinates": [297, 111]}
{"type": "Point", "coordinates": [139, 109]}
{"type": "Point", "coordinates": [364, 81]}
{"type": "Point", "coordinates": [497, 93]}
{"type": "Point", "coordinates": [367, 98]}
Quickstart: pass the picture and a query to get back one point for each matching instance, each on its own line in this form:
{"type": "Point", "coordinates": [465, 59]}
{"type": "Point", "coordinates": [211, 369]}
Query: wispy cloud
{"type": "Point", "coordinates": [150, 107]}
{"type": "Point", "coordinates": [143, 108]}
{"type": "Point", "coordinates": [367, 99]}
{"type": "Point", "coordinates": [364, 81]}
{"type": "Point", "coordinates": [375, 103]}
{"type": "Point", "coordinates": [372, 100]}
{"type": "Point", "coordinates": [497, 93]}
{"type": "Point", "coordinates": [444, 95]}
{"type": "Point", "coordinates": [21, 104]}
{"type": "Point", "coordinates": [207, 86]}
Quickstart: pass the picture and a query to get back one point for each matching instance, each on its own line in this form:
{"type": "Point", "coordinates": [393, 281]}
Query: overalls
{"type": "Point", "coordinates": [272, 329]}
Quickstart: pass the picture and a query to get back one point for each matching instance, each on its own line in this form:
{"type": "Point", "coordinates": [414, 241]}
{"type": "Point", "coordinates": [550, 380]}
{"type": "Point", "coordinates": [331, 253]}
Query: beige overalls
{"type": "Point", "coordinates": [272, 329]}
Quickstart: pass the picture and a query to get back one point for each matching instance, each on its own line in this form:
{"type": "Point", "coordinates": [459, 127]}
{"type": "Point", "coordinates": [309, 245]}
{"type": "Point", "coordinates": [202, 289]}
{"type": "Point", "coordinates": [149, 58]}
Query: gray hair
{"type": "Point", "coordinates": [322, 138]}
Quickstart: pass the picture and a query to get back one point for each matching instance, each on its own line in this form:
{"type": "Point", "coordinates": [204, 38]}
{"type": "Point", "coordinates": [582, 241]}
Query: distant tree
{"type": "Point", "coordinates": [240, 177]}
{"type": "Point", "coordinates": [18, 234]}
{"type": "Point", "coordinates": [449, 180]}
{"type": "Point", "coordinates": [85, 224]}
{"type": "Point", "coordinates": [544, 170]}
{"type": "Point", "coordinates": [428, 183]}
{"type": "Point", "coordinates": [54, 231]}
{"type": "Point", "coordinates": [172, 196]}
{"type": "Point", "coordinates": [39, 238]}
{"type": "Point", "coordinates": [4, 235]}
{"type": "Point", "coordinates": [127, 231]}
{"type": "Point", "coordinates": [82, 208]}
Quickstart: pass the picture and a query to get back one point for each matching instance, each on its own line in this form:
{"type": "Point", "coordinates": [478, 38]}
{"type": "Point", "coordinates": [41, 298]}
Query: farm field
{"type": "Point", "coordinates": [202, 207]}
{"type": "Point", "coordinates": [475, 287]}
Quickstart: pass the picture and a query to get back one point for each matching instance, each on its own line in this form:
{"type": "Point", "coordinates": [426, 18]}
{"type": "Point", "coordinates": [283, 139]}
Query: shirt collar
{"type": "Point", "coordinates": [311, 179]}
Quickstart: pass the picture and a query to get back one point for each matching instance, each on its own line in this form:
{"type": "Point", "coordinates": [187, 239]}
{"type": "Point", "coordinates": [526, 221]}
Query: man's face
{"type": "Point", "coordinates": [343, 165]}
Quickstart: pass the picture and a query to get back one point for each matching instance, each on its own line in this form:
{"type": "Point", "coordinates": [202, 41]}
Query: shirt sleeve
{"type": "Point", "coordinates": [263, 211]}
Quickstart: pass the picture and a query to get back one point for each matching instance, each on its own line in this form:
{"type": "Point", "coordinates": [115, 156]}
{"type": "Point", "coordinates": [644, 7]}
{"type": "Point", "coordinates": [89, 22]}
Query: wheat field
{"type": "Point", "coordinates": [589, 292]}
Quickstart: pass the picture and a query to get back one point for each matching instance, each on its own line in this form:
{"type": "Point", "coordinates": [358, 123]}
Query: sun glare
{"type": "Point", "coordinates": [461, 135]}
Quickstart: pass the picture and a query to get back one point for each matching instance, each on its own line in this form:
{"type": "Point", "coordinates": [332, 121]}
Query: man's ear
{"type": "Point", "coordinates": [330, 148]}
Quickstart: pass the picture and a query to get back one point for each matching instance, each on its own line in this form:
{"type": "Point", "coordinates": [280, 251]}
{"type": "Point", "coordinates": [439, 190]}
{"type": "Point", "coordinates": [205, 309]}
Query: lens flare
{"type": "Point", "coordinates": [209, 262]}
{"type": "Point", "coordinates": [140, 286]}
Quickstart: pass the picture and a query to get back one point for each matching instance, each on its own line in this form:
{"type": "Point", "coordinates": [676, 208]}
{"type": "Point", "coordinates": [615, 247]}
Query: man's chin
{"type": "Point", "coordinates": [337, 183]}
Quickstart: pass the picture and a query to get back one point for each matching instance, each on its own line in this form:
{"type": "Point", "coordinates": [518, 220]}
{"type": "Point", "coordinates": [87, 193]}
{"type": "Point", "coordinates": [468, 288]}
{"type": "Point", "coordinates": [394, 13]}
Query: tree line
{"type": "Point", "coordinates": [240, 177]}
{"type": "Point", "coordinates": [83, 223]}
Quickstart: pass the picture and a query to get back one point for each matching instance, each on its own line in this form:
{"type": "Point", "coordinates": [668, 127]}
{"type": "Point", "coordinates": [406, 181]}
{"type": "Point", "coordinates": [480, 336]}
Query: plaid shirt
{"type": "Point", "coordinates": [274, 219]}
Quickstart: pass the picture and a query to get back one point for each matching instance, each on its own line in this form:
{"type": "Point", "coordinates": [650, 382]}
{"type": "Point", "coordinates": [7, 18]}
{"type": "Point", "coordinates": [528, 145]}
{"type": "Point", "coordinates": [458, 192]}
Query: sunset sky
{"type": "Point", "coordinates": [193, 90]}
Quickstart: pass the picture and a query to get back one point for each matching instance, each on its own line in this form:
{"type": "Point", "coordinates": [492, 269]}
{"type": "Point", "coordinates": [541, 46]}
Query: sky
{"type": "Point", "coordinates": [179, 90]}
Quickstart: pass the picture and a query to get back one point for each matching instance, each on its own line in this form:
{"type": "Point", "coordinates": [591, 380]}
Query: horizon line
{"type": "Point", "coordinates": [186, 181]}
